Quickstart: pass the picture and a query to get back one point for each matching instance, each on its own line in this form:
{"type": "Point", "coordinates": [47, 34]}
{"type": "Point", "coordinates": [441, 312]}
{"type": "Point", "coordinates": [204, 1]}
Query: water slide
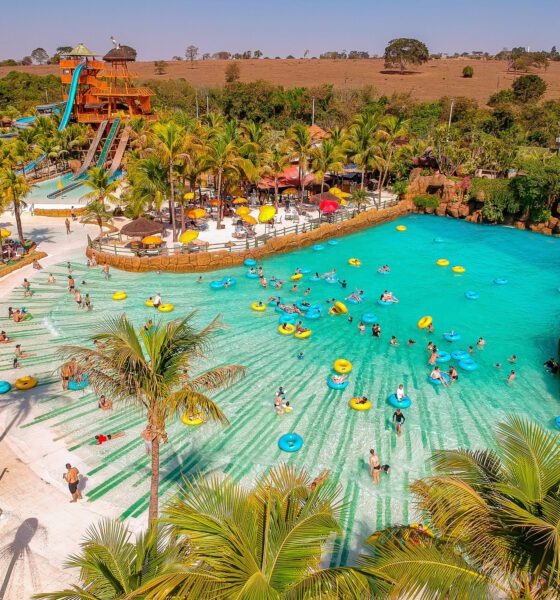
{"type": "Point", "coordinates": [108, 142]}
{"type": "Point", "coordinates": [91, 150]}
{"type": "Point", "coordinates": [71, 96]}
{"type": "Point", "coordinates": [31, 165]}
{"type": "Point", "coordinates": [119, 153]}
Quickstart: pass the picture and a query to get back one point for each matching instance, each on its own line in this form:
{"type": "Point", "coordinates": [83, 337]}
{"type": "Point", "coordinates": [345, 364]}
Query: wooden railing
{"type": "Point", "coordinates": [112, 243]}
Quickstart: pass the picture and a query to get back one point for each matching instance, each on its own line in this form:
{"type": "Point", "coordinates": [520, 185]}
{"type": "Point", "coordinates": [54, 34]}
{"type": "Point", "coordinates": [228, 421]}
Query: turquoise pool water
{"type": "Point", "coordinates": [519, 318]}
{"type": "Point", "coordinates": [40, 191]}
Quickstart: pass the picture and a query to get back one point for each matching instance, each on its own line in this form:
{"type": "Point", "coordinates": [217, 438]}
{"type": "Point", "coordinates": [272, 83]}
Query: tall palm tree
{"type": "Point", "coordinates": [101, 186]}
{"type": "Point", "coordinates": [328, 156]}
{"type": "Point", "coordinates": [362, 141]}
{"type": "Point", "coordinates": [275, 162]}
{"type": "Point", "coordinates": [169, 141]}
{"type": "Point", "coordinates": [95, 210]}
{"type": "Point", "coordinates": [112, 565]}
{"type": "Point", "coordinates": [148, 185]}
{"type": "Point", "coordinates": [394, 132]}
{"type": "Point", "coordinates": [261, 543]}
{"type": "Point", "coordinates": [153, 370]}
{"type": "Point", "coordinates": [496, 515]}
{"type": "Point", "coordinates": [301, 145]}
{"type": "Point", "coordinates": [14, 188]}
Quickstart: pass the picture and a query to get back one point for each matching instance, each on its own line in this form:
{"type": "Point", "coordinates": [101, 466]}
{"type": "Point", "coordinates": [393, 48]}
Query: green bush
{"type": "Point", "coordinates": [400, 186]}
{"type": "Point", "coordinates": [468, 72]}
{"type": "Point", "coordinates": [540, 215]}
{"type": "Point", "coordinates": [426, 201]}
{"type": "Point", "coordinates": [498, 197]}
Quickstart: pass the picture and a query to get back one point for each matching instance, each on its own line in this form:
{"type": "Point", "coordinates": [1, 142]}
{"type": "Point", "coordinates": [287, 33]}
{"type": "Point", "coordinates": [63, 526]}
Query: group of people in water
{"type": "Point", "coordinates": [281, 405]}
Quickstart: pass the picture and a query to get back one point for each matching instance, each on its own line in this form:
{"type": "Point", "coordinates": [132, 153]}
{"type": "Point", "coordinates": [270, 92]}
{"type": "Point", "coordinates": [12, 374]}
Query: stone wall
{"type": "Point", "coordinates": [58, 212]}
{"type": "Point", "coordinates": [208, 261]}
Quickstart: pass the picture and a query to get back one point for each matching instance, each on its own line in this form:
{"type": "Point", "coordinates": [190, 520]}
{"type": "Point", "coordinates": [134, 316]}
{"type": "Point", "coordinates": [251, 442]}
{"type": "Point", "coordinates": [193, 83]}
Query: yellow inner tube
{"type": "Point", "coordinates": [287, 329]}
{"type": "Point", "coordinates": [354, 404]}
{"type": "Point", "coordinates": [442, 262]}
{"type": "Point", "coordinates": [342, 366]}
{"type": "Point", "coordinates": [296, 276]}
{"type": "Point", "coordinates": [355, 262]}
{"type": "Point", "coordinates": [166, 307]}
{"type": "Point", "coordinates": [119, 295]}
{"type": "Point", "coordinates": [257, 307]}
{"type": "Point", "coordinates": [194, 421]}
{"type": "Point", "coordinates": [338, 309]}
{"type": "Point", "coordinates": [26, 383]}
{"type": "Point", "coordinates": [425, 322]}
{"type": "Point", "coordinates": [458, 269]}
{"type": "Point", "coordinates": [301, 335]}
{"type": "Point", "coordinates": [400, 228]}
{"type": "Point", "coordinates": [149, 303]}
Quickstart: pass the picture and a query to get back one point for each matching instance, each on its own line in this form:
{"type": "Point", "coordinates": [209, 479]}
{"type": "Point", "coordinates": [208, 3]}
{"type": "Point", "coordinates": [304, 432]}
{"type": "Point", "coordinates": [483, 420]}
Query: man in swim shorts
{"type": "Point", "coordinates": [66, 373]}
{"type": "Point", "coordinates": [72, 478]}
{"type": "Point", "coordinates": [398, 419]}
{"type": "Point", "coordinates": [101, 439]}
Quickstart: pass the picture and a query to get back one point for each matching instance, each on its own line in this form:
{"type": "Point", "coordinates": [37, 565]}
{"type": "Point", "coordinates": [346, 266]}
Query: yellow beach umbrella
{"type": "Point", "coordinates": [243, 210]}
{"type": "Point", "coordinates": [343, 195]}
{"type": "Point", "coordinates": [266, 213]}
{"type": "Point", "coordinates": [59, 185]}
{"type": "Point", "coordinates": [335, 190]}
{"type": "Point", "coordinates": [196, 213]}
{"type": "Point", "coordinates": [240, 201]}
{"type": "Point", "coordinates": [343, 202]}
{"type": "Point", "coordinates": [5, 233]}
{"type": "Point", "coordinates": [290, 191]}
{"type": "Point", "coordinates": [249, 219]}
{"type": "Point", "coordinates": [189, 196]}
{"type": "Point", "coordinates": [152, 240]}
{"type": "Point", "coordinates": [188, 236]}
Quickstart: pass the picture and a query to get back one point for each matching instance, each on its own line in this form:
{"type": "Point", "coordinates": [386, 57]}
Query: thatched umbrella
{"type": "Point", "coordinates": [141, 227]}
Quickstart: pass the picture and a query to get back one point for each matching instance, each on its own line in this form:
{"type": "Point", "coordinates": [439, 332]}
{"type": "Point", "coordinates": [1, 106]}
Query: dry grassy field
{"type": "Point", "coordinates": [433, 80]}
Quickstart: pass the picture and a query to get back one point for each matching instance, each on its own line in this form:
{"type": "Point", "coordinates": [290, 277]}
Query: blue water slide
{"type": "Point", "coordinates": [71, 96]}
{"type": "Point", "coordinates": [31, 165]}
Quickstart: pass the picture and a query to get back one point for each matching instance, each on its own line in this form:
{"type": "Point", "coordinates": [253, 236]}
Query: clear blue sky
{"type": "Point", "coordinates": [163, 28]}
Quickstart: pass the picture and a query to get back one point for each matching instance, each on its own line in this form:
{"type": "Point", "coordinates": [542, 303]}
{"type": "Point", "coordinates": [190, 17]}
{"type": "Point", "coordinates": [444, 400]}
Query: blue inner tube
{"type": "Point", "coordinates": [216, 285]}
{"type": "Point", "coordinates": [305, 271]}
{"type": "Point", "coordinates": [5, 387]}
{"type": "Point", "coordinates": [557, 422]}
{"type": "Point", "coordinates": [383, 272]}
{"type": "Point", "coordinates": [452, 338]}
{"type": "Point", "coordinates": [250, 262]}
{"type": "Point", "coordinates": [312, 314]}
{"type": "Point", "coordinates": [405, 403]}
{"type": "Point", "coordinates": [78, 386]}
{"type": "Point", "coordinates": [232, 281]}
{"type": "Point", "coordinates": [337, 386]}
{"type": "Point", "coordinates": [500, 280]}
{"type": "Point", "coordinates": [472, 295]}
{"type": "Point", "coordinates": [332, 242]}
{"type": "Point", "coordinates": [318, 247]}
{"type": "Point", "coordinates": [287, 319]}
{"type": "Point", "coordinates": [459, 355]}
{"type": "Point", "coordinates": [369, 318]}
{"type": "Point", "coordinates": [290, 442]}
{"type": "Point", "coordinates": [437, 381]}
{"type": "Point", "coordinates": [302, 306]}
{"type": "Point", "coordinates": [468, 364]}
{"type": "Point", "coordinates": [331, 280]}
{"type": "Point", "coordinates": [384, 302]}
{"type": "Point", "coordinates": [318, 307]}
{"type": "Point", "coordinates": [250, 275]}
{"type": "Point", "coordinates": [313, 278]}
{"type": "Point", "coordinates": [353, 301]}
{"type": "Point", "coordinates": [443, 357]}
{"type": "Point", "coordinates": [280, 310]}
{"type": "Point", "coordinates": [273, 302]}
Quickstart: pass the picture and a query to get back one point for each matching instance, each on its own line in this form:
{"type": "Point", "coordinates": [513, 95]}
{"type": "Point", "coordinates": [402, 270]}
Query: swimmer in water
{"type": "Point", "coordinates": [438, 375]}
{"type": "Point", "coordinates": [376, 330]}
{"type": "Point", "coordinates": [307, 292]}
{"type": "Point", "coordinates": [453, 375]}
{"type": "Point", "coordinates": [430, 328]}
{"type": "Point", "coordinates": [498, 365]}
{"type": "Point", "coordinates": [430, 347]}
{"type": "Point", "coordinates": [294, 288]}
{"type": "Point", "coordinates": [350, 318]}
{"type": "Point", "coordinates": [343, 283]}
{"type": "Point", "coordinates": [199, 280]}
{"type": "Point", "coordinates": [471, 350]}
{"type": "Point", "coordinates": [362, 328]}
{"type": "Point", "coordinates": [512, 359]}
{"type": "Point", "coordinates": [300, 356]}
{"type": "Point", "coordinates": [511, 377]}
{"type": "Point", "coordinates": [410, 343]}
{"type": "Point", "coordinates": [394, 341]}
{"type": "Point", "coordinates": [481, 343]}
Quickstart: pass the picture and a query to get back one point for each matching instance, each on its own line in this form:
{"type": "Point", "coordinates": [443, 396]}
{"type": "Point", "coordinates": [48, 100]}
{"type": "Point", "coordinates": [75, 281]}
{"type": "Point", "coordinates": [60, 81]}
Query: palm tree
{"type": "Point", "coordinates": [169, 143]}
{"type": "Point", "coordinates": [359, 198]}
{"type": "Point", "coordinates": [328, 156]}
{"type": "Point", "coordinates": [153, 370]}
{"type": "Point", "coordinates": [276, 161]}
{"type": "Point", "coordinates": [14, 188]}
{"type": "Point", "coordinates": [496, 514]}
{"type": "Point", "coordinates": [362, 141]}
{"type": "Point", "coordinates": [101, 186]}
{"type": "Point", "coordinates": [148, 184]}
{"type": "Point", "coordinates": [112, 565]}
{"type": "Point", "coordinates": [96, 211]}
{"type": "Point", "coordinates": [301, 145]}
{"type": "Point", "coordinates": [394, 132]}
{"type": "Point", "coordinates": [264, 542]}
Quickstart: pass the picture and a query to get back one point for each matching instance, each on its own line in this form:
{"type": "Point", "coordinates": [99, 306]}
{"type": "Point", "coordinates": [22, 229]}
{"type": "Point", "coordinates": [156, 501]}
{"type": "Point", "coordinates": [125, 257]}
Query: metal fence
{"type": "Point", "coordinates": [112, 243]}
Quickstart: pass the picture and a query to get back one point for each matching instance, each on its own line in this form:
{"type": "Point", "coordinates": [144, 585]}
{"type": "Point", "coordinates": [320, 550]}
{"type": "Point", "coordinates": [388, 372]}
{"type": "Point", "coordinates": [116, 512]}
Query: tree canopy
{"type": "Point", "coordinates": [404, 51]}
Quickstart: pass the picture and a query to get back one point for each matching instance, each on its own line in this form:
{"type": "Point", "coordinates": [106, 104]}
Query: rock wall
{"type": "Point", "coordinates": [453, 204]}
{"type": "Point", "coordinates": [208, 261]}
{"type": "Point", "coordinates": [58, 212]}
